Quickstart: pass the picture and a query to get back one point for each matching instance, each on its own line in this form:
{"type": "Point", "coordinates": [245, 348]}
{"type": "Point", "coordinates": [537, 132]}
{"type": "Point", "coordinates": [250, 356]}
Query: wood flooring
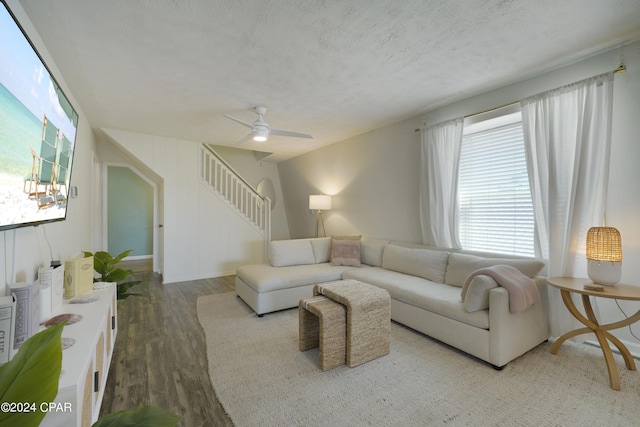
{"type": "Point", "coordinates": [160, 357]}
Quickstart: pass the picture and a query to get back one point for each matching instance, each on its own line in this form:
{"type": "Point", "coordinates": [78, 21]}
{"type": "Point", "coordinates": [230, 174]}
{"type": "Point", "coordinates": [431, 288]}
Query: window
{"type": "Point", "coordinates": [496, 212]}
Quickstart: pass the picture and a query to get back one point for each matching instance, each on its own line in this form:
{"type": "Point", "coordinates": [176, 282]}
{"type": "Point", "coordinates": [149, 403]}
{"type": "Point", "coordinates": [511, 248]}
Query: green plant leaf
{"type": "Point", "coordinates": [118, 275]}
{"type": "Point", "coordinates": [103, 263]}
{"type": "Point", "coordinates": [32, 376]}
{"type": "Point", "coordinates": [122, 256]}
{"type": "Point", "coordinates": [106, 265]}
{"type": "Point", "coordinates": [141, 416]}
{"type": "Point", "coordinates": [103, 256]}
{"type": "Point", "coordinates": [124, 287]}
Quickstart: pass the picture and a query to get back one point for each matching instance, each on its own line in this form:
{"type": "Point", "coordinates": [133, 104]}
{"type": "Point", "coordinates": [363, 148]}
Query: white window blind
{"type": "Point", "coordinates": [496, 213]}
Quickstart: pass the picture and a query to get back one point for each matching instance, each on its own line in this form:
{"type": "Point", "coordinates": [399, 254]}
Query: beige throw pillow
{"type": "Point", "coordinates": [345, 250]}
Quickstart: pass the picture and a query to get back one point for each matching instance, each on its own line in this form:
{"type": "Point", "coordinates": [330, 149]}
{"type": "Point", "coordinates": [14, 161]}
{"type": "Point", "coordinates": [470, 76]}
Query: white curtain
{"type": "Point", "coordinates": [440, 156]}
{"type": "Point", "coordinates": [567, 133]}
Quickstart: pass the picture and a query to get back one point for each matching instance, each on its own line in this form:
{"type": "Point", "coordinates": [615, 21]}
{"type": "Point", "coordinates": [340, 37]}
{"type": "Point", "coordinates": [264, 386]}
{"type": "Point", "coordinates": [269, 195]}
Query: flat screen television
{"type": "Point", "coordinates": [37, 133]}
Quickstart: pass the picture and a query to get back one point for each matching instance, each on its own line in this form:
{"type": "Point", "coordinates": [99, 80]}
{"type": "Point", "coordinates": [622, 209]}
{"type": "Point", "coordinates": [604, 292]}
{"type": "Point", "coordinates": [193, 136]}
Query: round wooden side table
{"type": "Point", "coordinates": [569, 285]}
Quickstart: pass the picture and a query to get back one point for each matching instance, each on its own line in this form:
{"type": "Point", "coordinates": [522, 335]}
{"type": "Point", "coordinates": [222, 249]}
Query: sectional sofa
{"type": "Point", "coordinates": [425, 286]}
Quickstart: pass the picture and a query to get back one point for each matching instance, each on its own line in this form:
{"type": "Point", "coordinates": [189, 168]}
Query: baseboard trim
{"type": "Point", "coordinates": [138, 257]}
{"type": "Point", "coordinates": [634, 348]}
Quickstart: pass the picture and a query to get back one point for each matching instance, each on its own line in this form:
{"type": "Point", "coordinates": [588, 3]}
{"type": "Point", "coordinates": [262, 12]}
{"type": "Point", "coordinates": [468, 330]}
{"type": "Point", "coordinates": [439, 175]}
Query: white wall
{"type": "Point", "coordinates": [67, 238]}
{"type": "Point", "coordinates": [623, 204]}
{"type": "Point", "coordinates": [372, 179]}
{"type": "Point", "coordinates": [202, 236]}
{"type": "Point", "coordinates": [375, 175]}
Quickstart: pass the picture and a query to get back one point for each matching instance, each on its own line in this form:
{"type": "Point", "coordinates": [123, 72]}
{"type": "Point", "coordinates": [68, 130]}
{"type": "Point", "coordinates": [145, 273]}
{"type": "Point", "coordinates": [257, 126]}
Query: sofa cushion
{"type": "Point", "coordinates": [265, 278]}
{"type": "Point", "coordinates": [477, 297]}
{"type": "Point", "coordinates": [321, 249]}
{"type": "Point", "coordinates": [426, 263]}
{"type": "Point", "coordinates": [431, 296]}
{"type": "Point", "coordinates": [345, 250]}
{"type": "Point", "coordinates": [371, 251]}
{"type": "Point", "coordinates": [462, 265]}
{"type": "Point", "coordinates": [284, 253]}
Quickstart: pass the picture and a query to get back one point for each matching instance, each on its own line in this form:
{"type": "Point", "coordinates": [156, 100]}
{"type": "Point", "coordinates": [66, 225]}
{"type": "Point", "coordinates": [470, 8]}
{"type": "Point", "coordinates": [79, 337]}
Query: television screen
{"type": "Point", "coordinates": [37, 133]}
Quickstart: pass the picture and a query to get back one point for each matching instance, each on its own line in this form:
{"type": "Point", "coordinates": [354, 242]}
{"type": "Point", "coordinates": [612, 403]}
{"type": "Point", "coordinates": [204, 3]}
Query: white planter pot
{"type": "Point", "coordinates": [102, 285]}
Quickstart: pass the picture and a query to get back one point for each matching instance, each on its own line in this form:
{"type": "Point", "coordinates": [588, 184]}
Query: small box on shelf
{"type": "Point", "coordinates": [27, 320]}
{"type": "Point", "coordinates": [78, 276]}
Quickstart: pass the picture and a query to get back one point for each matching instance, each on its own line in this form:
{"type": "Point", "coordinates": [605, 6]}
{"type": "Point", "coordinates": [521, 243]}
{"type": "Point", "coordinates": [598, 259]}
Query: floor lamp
{"type": "Point", "coordinates": [320, 203]}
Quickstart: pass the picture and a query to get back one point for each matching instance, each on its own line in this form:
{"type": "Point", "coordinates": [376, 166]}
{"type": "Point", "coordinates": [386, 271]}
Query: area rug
{"type": "Point", "coordinates": [262, 379]}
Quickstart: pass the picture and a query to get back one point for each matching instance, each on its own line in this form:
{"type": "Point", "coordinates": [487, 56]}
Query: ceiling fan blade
{"type": "Point", "coordinates": [273, 131]}
{"type": "Point", "coordinates": [250, 126]}
{"type": "Point", "coordinates": [243, 140]}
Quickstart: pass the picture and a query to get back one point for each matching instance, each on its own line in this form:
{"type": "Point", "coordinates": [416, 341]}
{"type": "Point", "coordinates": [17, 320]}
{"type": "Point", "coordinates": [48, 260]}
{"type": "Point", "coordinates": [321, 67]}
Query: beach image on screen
{"type": "Point", "coordinates": [37, 134]}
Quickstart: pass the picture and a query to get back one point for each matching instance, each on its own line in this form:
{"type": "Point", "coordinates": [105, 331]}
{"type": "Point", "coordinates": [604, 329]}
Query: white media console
{"type": "Point", "coordinates": [86, 363]}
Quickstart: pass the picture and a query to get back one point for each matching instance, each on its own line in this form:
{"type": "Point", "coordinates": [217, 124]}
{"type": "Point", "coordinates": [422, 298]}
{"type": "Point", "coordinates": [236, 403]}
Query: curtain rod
{"type": "Point", "coordinates": [491, 109]}
{"type": "Point", "coordinates": [483, 112]}
{"type": "Point", "coordinates": [621, 69]}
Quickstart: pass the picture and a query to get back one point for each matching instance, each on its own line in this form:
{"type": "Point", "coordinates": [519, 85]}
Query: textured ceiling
{"type": "Point", "coordinates": [334, 69]}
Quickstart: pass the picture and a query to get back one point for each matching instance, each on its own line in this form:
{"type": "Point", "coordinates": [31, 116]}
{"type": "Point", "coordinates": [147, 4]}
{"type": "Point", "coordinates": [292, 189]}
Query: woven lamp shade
{"type": "Point", "coordinates": [604, 244]}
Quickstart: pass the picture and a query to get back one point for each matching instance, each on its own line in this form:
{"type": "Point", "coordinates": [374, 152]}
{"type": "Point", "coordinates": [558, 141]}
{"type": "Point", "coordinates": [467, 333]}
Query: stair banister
{"type": "Point", "coordinates": [229, 185]}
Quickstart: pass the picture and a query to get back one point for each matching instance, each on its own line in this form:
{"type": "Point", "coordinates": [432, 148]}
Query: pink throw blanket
{"type": "Point", "coordinates": [523, 292]}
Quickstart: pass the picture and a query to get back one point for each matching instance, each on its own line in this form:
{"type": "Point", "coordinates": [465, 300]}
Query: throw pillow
{"type": "Point", "coordinates": [371, 251]}
{"type": "Point", "coordinates": [426, 263]}
{"type": "Point", "coordinates": [321, 249]}
{"type": "Point", "coordinates": [477, 297]}
{"type": "Point", "coordinates": [284, 253]}
{"type": "Point", "coordinates": [345, 250]}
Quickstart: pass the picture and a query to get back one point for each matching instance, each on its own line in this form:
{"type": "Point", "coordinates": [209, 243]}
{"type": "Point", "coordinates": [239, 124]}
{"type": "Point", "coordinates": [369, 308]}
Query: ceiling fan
{"type": "Point", "coordinates": [260, 130]}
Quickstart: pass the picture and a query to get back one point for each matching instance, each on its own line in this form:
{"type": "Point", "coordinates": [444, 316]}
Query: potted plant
{"type": "Point", "coordinates": [107, 267]}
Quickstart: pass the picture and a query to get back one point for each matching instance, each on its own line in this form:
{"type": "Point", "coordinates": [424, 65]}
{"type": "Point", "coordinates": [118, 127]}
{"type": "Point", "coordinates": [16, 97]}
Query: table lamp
{"type": "Point", "coordinates": [604, 255]}
{"type": "Point", "coordinates": [319, 203]}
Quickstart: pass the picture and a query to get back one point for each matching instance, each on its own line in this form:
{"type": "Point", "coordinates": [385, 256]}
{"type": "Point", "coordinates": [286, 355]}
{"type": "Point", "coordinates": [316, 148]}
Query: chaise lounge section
{"type": "Point", "coordinates": [424, 283]}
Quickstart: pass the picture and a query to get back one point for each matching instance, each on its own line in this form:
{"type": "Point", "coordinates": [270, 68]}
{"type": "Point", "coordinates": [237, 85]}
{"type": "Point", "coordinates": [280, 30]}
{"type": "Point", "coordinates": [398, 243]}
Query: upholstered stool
{"type": "Point", "coordinates": [322, 323]}
{"type": "Point", "coordinates": [368, 318]}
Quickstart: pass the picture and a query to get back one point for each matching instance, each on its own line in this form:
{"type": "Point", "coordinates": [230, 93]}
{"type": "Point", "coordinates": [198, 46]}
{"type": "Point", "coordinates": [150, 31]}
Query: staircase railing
{"type": "Point", "coordinates": [237, 193]}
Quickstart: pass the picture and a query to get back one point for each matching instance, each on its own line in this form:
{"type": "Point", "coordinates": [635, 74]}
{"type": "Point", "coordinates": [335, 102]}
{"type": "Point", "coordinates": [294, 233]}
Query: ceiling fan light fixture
{"type": "Point", "coordinates": [260, 135]}
{"type": "Point", "coordinates": [260, 130]}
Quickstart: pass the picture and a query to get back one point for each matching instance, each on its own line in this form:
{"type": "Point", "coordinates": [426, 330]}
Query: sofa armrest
{"type": "Point", "coordinates": [512, 335]}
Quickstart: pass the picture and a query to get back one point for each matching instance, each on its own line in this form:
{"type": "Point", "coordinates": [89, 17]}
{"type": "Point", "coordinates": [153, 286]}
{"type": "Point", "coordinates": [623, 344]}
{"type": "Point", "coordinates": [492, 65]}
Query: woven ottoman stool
{"type": "Point", "coordinates": [322, 323]}
{"type": "Point", "coordinates": [368, 318]}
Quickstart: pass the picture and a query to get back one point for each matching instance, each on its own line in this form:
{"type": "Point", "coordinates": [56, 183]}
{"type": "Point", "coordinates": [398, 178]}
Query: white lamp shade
{"type": "Point", "coordinates": [320, 202]}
